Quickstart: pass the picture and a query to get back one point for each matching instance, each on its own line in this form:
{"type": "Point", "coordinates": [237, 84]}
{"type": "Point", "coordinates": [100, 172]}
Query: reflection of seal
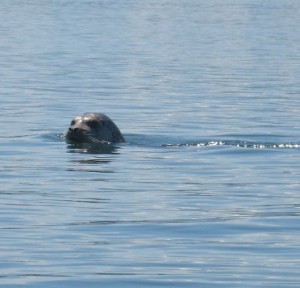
{"type": "Point", "coordinates": [94, 127]}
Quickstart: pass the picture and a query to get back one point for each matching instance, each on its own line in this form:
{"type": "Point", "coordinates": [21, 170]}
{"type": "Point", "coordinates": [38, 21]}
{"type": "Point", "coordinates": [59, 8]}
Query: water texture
{"type": "Point", "coordinates": [205, 191]}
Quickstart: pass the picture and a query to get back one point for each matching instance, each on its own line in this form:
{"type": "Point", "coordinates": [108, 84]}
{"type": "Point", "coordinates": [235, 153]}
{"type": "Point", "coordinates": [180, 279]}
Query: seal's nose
{"type": "Point", "coordinates": [71, 129]}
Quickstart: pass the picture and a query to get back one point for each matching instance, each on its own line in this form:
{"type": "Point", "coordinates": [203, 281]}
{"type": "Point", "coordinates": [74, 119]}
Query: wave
{"type": "Point", "coordinates": [240, 141]}
{"type": "Point", "coordinates": [237, 143]}
{"type": "Point", "coordinates": [161, 141]}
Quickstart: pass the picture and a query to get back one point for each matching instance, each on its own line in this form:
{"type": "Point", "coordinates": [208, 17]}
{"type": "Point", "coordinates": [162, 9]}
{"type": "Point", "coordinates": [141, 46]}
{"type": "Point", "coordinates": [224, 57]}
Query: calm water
{"type": "Point", "coordinates": [206, 191]}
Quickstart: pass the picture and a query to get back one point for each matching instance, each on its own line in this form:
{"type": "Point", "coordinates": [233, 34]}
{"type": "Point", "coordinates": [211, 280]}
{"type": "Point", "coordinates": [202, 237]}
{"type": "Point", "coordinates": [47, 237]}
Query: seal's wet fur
{"type": "Point", "coordinates": [94, 128]}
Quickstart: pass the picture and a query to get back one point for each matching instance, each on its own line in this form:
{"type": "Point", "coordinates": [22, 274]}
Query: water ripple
{"type": "Point", "coordinates": [238, 143]}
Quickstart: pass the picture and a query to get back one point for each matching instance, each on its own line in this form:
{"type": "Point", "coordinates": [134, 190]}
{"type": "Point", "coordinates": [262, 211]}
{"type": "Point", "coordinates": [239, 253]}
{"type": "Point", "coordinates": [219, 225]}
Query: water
{"type": "Point", "coordinates": [205, 193]}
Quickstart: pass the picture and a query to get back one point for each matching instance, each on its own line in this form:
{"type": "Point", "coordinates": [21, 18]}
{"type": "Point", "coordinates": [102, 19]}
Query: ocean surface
{"type": "Point", "coordinates": [206, 190]}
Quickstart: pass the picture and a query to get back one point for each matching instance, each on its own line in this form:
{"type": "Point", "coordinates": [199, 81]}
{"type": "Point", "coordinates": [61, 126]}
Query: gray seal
{"type": "Point", "coordinates": [94, 128]}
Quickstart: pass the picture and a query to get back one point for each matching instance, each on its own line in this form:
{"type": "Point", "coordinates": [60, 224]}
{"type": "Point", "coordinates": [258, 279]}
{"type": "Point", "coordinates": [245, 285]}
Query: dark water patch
{"type": "Point", "coordinates": [93, 161]}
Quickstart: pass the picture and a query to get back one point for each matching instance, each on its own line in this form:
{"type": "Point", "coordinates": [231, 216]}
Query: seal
{"type": "Point", "coordinates": [94, 128]}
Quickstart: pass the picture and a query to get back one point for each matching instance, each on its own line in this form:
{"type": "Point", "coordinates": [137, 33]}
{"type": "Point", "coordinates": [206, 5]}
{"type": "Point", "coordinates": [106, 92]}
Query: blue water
{"type": "Point", "coordinates": [206, 190]}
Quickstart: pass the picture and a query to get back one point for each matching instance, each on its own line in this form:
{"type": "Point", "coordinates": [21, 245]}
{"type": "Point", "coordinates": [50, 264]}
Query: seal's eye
{"type": "Point", "coordinates": [92, 124]}
{"type": "Point", "coordinates": [72, 122]}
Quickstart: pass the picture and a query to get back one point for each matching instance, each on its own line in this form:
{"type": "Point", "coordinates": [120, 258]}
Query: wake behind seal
{"type": "Point", "coordinates": [94, 128]}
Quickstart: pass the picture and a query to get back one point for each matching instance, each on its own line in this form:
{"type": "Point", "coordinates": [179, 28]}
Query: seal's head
{"type": "Point", "coordinates": [94, 128]}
